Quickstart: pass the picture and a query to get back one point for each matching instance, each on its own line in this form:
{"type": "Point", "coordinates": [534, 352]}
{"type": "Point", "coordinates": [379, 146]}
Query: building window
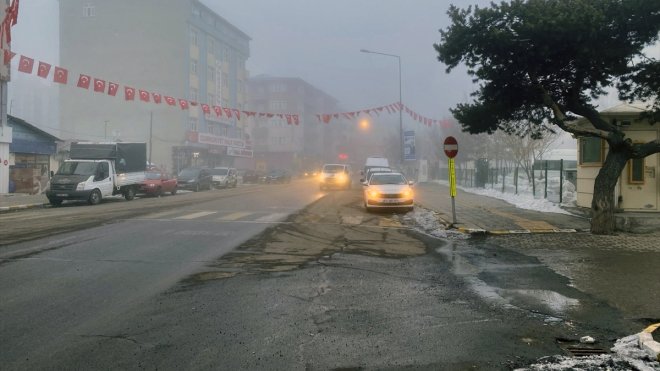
{"type": "Point", "coordinates": [193, 94]}
{"type": "Point", "coordinates": [591, 151]}
{"type": "Point", "coordinates": [278, 88]}
{"type": "Point", "coordinates": [193, 66]}
{"type": "Point", "coordinates": [210, 46]}
{"type": "Point", "coordinates": [225, 55]}
{"type": "Point", "coordinates": [89, 10]}
{"type": "Point", "coordinates": [636, 171]}
{"type": "Point", "coordinates": [225, 80]}
{"type": "Point", "coordinates": [277, 104]}
{"type": "Point", "coordinates": [210, 73]}
{"type": "Point", "coordinates": [193, 124]}
{"type": "Point", "coordinates": [193, 37]}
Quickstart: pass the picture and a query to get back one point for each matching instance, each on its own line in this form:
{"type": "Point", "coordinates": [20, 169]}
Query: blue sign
{"type": "Point", "coordinates": [409, 145]}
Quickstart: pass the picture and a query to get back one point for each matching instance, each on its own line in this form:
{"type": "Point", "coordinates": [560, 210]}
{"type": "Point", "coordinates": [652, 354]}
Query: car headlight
{"type": "Point", "coordinates": [342, 178]}
{"type": "Point", "coordinates": [373, 194]}
{"type": "Point", "coordinates": [321, 178]}
{"type": "Point", "coordinates": [407, 193]}
{"type": "Point", "coordinates": [80, 187]}
{"type": "Point", "coordinates": [151, 185]}
{"type": "Point", "coordinates": [192, 181]}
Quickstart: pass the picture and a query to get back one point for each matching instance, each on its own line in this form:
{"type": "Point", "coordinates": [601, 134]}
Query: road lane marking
{"type": "Point", "coordinates": [160, 215]}
{"type": "Point", "coordinates": [271, 218]}
{"type": "Point", "coordinates": [235, 216]}
{"type": "Point", "coordinates": [195, 215]}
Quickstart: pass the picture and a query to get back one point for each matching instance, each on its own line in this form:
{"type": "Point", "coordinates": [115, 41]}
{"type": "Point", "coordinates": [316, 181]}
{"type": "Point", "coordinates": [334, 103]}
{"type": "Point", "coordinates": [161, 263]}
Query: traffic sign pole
{"type": "Point", "coordinates": [451, 150]}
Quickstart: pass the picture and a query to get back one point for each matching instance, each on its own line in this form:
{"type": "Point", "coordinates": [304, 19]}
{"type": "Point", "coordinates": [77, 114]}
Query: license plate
{"type": "Point", "coordinates": [62, 195]}
{"type": "Point", "coordinates": [390, 201]}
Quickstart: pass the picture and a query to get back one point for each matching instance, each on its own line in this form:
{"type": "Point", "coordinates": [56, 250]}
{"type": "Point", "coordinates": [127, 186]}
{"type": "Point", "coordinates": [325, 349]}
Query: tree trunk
{"type": "Point", "coordinates": [602, 204]}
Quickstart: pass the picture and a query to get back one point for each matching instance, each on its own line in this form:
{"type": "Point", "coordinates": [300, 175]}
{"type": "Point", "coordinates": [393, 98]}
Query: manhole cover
{"type": "Point", "coordinates": [580, 351]}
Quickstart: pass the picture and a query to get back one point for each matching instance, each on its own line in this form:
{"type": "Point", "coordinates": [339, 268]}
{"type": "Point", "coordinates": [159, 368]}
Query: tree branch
{"type": "Point", "coordinates": [643, 150]}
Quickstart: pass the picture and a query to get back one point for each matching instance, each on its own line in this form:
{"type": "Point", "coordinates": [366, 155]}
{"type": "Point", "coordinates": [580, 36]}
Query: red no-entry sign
{"type": "Point", "coordinates": [451, 147]}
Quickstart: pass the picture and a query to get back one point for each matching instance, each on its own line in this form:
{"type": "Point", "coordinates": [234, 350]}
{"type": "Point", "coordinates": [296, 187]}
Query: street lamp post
{"type": "Point", "coordinates": [400, 99]}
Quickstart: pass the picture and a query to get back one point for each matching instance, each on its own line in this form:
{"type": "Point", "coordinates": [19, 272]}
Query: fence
{"type": "Point", "coordinates": [551, 180]}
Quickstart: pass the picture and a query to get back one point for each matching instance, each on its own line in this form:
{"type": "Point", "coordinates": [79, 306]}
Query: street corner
{"type": "Point", "coordinates": [648, 343]}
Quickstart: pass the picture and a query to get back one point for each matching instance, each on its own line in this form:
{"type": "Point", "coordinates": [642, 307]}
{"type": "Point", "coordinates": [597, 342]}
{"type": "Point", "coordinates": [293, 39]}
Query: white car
{"type": "Point", "coordinates": [388, 190]}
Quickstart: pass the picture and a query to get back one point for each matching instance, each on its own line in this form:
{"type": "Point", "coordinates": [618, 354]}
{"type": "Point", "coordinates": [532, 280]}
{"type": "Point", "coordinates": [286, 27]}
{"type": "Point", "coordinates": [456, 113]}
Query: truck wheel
{"type": "Point", "coordinates": [159, 192]}
{"type": "Point", "coordinates": [55, 201]}
{"type": "Point", "coordinates": [129, 193]}
{"type": "Point", "coordinates": [94, 197]}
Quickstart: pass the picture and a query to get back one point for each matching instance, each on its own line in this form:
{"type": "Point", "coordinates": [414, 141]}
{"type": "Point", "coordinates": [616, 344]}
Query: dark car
{"type": "Point", "coordinates": [158, 182]}
{"type": "Point", "coordinates": [194, 179]}
{"type": "Point", "coordinates": [252, 176]}
{"type": "Point", "coordinates": [278, 176]}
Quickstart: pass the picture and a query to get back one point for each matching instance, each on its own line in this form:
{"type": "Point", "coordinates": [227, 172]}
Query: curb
{"type": "Point", "coordinates": [8, 209]}
{"type": "Point", "coordinates": [503, 232]}
{"type": "Point", "coordinates": [647, 343]}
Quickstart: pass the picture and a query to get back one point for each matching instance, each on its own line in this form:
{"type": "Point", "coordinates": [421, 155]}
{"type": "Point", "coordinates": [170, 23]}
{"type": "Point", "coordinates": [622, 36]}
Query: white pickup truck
{"type": "Point", "coordinates": [98, 170]}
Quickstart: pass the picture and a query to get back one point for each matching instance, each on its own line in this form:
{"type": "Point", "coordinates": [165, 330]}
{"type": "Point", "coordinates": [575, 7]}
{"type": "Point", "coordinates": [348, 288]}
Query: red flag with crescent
{"type": "Point", "coordinates": [43, 70]}
{"type": "Point", "coordinates": [26, 64]}
{"type": "Point", "coordinates": [218, 110]}
{"type": "Point", "coordinates": [129, 93]}
{"type": "Point", "coordinates": [99, 86]}
{"type": "Point", "coordinates": [157, 98]}
{"type": "Point", "coordinates": [112, 88]}
{"type": "Point", "coordinates": [9, 55]}
{"type": "Point", "coordinates": [84, 81]}
{"type": "Point", "coordinates": [227, 112]}
{"type": "Point", "coordinates": [61, 75]}
{"type": "Point", "coordinates": [144, 95]}
{"type": "Point", "coordinates": [170, 100]}
{"type": "Point", "coordinates": [183, 103]}
{"type": "Point", "coordinates": [206, 108]}
{"type": "Point", "coordinates": [296, 120]}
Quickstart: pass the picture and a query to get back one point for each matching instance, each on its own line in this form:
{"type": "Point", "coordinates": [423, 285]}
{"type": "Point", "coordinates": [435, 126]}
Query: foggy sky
{"type": "Point", "coordinates": [318, 41]}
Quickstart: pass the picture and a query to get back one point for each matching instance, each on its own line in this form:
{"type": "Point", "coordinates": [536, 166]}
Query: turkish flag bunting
{"type": "Point", "coordinates": [129, 93]}
{"type": "Point", "coordinates": [346, 116]}
{"type": "Point", "coordinates": [352, 114]}
{"type": "Point", "coordinates": [157, 98]}
{"type": "Point", "coordinates": [84, 81]}
{"type": "Point", "coordinates": [261, 114]}
{"type": "Point", "coordinates": [270, 115]}
{"type": "Point", "coordinates": [227, 112]}
{"type": "Point", "coordinates": [61, 75]}
{"type": "Point", "coordinates": [144, 95]}
{"type": "Point", "coordinates": [218, 111]}
{"type": "Point", "coordinates": [112, 88]}
{"type": "Point", "coordinates": [12, 12]}
{"type": "Point", "coordinates": [99, 86]}
{"type": "Point", "coordinates": [296, 120]}
{"type": "Point", "coordinates": [170, 100]}
{"type": "Point", "coordinates": [6, 29]}
{"type": "Point", "coordinates": [26, 64]}
{"type": "Point", "coordinates": [43, 70]}
{"type": "Point", "coordinates": [206, 109]}
{"type": "Point", "coordinates": [237, 113]}
{"type": "Point", "coordinates": [280, 115]}
{"type": "Point", "coordinates": [326, 118]}
{"type": "Point", "coordinates": [183, 103]}
{"type": "Point", "coordinates": [9, 55]}
{"type": "Point", "coordinates": [289, 119]}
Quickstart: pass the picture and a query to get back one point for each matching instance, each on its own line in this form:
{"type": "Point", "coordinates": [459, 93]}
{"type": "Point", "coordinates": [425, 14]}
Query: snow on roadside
{"type": "Point", "coordinates": [427, 222]}
{"type": "Point", "coordinates": [521, 201]}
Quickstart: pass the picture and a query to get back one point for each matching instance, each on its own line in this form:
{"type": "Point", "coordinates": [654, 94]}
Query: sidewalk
{"type": "Point", "coordinates": [481, 214]}
{"type": "Point", "coordinates": [17, 201]}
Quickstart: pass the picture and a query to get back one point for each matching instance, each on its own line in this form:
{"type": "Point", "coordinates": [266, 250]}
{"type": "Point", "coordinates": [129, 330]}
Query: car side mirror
{"type": "Point", "coordinates": [411, 183]}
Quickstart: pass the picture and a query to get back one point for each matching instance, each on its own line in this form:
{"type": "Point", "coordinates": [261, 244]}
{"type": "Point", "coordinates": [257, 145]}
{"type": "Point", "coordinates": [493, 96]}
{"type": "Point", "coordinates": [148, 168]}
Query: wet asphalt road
{"type": "Point", "coordinates": [251, 282]}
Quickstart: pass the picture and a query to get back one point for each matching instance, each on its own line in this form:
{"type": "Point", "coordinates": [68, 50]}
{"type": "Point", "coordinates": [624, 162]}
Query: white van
{"type": "Point", "coordinates": [374, 161]}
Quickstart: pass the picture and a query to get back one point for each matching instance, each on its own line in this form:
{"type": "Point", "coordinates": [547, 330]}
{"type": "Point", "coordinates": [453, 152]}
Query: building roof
{"type": "Point", "coordinates": [627, 108]}
{"type": "Point", "coordinates": [11, 121]}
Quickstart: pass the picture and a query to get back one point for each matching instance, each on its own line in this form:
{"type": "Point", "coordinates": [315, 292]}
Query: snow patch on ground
{"type": "Point", "coordinates": [428, 222]}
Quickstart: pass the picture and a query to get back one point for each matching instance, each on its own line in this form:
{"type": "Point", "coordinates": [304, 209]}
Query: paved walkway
{"type": "Point", "coordinates": [476, 213]}
{"type": "Point", "coordinates": [17, 201]}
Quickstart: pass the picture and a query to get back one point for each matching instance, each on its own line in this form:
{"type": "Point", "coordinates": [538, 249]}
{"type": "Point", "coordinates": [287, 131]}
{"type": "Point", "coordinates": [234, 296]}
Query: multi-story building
{"type": "Point", "coordinates": [177, 48]}
{"type": "Point", "coordinates": [278, 144]}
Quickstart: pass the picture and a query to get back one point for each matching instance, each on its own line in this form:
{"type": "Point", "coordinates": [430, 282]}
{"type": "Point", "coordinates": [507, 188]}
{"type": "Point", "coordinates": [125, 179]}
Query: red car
{"type": "Point", "coordinates": [157, 183]}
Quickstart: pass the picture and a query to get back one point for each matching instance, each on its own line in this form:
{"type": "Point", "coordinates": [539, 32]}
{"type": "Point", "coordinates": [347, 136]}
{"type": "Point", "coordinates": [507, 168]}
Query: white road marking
{"type": "Point", "coordinates": [196, 215]}
{"type": "Point", "coordinates": [271, 218]}
{"type": "Point", "coordinates": [235, 216]}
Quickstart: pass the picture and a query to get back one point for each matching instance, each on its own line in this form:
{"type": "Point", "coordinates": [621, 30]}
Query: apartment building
{"type": "Point", "coordinates": [279, 144]}
{"type": "Point", "coordinates": [177, 48]}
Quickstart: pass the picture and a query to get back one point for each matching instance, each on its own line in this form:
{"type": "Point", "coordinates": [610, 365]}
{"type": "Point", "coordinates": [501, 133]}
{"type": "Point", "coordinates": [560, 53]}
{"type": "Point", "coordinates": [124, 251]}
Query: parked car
{"type": "Point", "coordinates": [157, 183]}
{"type": "Point", "coordinates": [278, 176]}
{"type": "Point", "coordinates": [335, 176]}
{"type": "Point", "coordinates": [194, 179]}
{"type": "Point", "coordinates": [252, 176]}
{"type": "Point", "coordinates": [388, 190]}
{"type": "Point", "coordinates": [223, 177]}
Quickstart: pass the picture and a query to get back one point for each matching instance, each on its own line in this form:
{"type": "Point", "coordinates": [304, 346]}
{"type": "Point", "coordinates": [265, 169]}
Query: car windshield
{"type": "Point", "coordinates": [383, 179]}
{"type": "Point", "coordinates": [333, 168]}
{"type": "Point", "coordinates": [219, 171]}
{"type": "Point", "coordinates": [78, 168]}
{"type": "Point", "coordinates": [329, 185]}
{"type": "Point", "coordinates": [189, 173]}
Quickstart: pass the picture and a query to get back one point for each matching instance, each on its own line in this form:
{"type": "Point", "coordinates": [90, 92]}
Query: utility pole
{"type": "Point", "coordinates": [151, 132]}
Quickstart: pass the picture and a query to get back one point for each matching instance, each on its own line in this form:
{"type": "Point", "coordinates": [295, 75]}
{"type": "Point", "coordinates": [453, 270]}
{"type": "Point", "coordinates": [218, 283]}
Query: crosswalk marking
{"type": "Point", "coordinates": [161, 214]}
{"type": "Point", "coordinates": [235, 216]}
{"type": "Point", "coordinates": [196, 215]}
{"type": "Point", "coordinates": [271, 217]}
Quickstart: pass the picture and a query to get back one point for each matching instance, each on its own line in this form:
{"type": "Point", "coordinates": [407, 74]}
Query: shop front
{"type": "Point", "coordinates": [208, 150]}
